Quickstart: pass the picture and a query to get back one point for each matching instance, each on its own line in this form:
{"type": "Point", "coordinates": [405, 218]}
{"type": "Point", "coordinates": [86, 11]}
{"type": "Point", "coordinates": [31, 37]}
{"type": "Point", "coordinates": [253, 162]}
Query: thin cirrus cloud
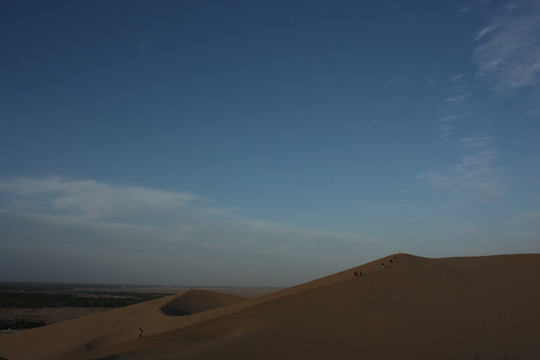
{"type": "Point", "coordinates": [454, 108]}
{"type": "Point", "coordinates": [89, 200]}
{"type": "Point", "coordinates": [456, 99]}
{"type": "Point", "coordinates": [475, 173]}
{"type": "Point", "coordinates": [174, 237]}
{"type": "Point", "coordinates": [483, 32]}
{"type": "Point", "coordinates": [508, 50]}
{"type": "Point", "coordinates": [507, 54]}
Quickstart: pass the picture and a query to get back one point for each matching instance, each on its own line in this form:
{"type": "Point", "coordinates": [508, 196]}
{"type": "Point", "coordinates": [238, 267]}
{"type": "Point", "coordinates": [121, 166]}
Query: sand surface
{"type": "Point", "coordinates": [414, 308]}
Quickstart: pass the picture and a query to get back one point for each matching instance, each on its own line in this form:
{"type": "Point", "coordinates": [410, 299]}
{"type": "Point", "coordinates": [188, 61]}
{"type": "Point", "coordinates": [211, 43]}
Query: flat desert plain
{"type": "Point", "coordinates": [475, 308]}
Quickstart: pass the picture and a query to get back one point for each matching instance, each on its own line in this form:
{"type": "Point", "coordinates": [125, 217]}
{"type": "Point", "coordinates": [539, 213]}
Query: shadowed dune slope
{"type": "Point", "coordinates": [414, 308]}
{"type": "Point", "coordinates": [196, 301]}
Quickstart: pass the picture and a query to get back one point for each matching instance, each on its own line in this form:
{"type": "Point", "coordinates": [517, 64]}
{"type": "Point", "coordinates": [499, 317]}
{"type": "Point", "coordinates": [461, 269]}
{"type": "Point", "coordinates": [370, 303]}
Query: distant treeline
{"type": "Point", "coordinates": [39, 300]}
{"type": "Point", "coordinates": [20, 324]}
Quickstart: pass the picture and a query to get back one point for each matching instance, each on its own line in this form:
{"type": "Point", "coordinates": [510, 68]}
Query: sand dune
{"type": "Point", "coordinates": [414, 308]}
{"type": "Point", "coordinates": [196, 301]}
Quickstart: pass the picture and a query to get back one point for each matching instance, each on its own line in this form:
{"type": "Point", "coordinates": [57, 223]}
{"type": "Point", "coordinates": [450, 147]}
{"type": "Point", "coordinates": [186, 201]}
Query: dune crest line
{"type": "Point", "coordinates": [394, 307]}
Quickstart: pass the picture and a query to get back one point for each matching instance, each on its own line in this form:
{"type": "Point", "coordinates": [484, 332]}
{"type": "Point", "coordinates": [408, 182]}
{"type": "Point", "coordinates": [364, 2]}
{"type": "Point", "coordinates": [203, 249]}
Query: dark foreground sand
{"type": "Point", "coordinates": [475, 308]}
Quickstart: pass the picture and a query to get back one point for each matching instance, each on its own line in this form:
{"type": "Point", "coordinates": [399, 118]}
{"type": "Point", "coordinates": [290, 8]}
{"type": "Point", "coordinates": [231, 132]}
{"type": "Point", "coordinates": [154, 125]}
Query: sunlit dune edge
{"type": "Point", "coordinates": [411, 307]}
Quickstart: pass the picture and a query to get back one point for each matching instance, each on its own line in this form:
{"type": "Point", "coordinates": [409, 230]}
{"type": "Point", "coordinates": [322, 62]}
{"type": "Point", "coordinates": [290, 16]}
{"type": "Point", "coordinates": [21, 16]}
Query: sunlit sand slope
{"type": "Point", "coordinates": [413, 308]}
{"type": "Point", "coordinates": [82, 336]}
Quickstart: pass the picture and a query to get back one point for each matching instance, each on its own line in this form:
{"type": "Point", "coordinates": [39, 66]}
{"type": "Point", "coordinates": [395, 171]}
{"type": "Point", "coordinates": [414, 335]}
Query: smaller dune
{"type": "Point", "coordinates": [196, 301]}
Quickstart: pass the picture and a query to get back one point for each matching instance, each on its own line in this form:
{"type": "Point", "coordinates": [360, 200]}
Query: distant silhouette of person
{"type": "Point", "coordinates": [382, 265]}
{"type": "Point", "coordinates": [140, 332]}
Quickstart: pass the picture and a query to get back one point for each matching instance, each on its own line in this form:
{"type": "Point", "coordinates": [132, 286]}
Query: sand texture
{"type": "Point", "coordinates": [475, 308]}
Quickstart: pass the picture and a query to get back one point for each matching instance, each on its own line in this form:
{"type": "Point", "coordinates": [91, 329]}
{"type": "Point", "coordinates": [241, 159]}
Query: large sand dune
{"type": "Point", "coordinates": [414, 308]}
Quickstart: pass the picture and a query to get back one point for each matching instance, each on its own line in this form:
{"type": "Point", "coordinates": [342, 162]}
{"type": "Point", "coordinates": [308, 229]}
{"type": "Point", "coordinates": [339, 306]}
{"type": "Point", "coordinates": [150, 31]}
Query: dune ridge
{"type": "Point", "coordinates": [196, 301]}
{"type": "Point", "coordinates": [450, 308]}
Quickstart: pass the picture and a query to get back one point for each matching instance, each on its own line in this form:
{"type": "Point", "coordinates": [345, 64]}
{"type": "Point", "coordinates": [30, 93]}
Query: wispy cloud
{"type": "Point", "coordinates": [508, 56]}
{"type": "Point", "coordinates": [476, 172]}
{"type": "Point", "coordinates": [477, 141]}
{"type": "Point", "coordinates": [89, 200]}
{"type": "Point", "coordinates": [455, 108]}
{"type": "Point", "coordinates": [456, 99]}
{"type": "Point", "coordinates": [173, 237]}
{"type": "Point", "coordinates": [508, 49]}
{"type": "Point", "coordinates": [484, 32]}
{"type": "Point", "coordinates": [456, 78]}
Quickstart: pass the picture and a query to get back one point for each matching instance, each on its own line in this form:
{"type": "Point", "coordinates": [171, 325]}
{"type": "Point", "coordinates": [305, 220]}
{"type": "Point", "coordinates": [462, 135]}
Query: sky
{"type": "Point", "coordinates": [263, 143]}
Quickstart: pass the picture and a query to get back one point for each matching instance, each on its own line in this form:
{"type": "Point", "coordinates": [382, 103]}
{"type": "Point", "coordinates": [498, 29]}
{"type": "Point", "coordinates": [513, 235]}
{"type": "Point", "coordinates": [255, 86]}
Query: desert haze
{"type": "Point", "coordinates": [475, 308]}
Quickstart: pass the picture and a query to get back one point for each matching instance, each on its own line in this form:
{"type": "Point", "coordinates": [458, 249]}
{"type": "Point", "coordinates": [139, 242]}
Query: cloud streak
{"type": "Point", "coordinates": [476, 172]}
{"type": "Point", "coordinates": [103, 230]}
{"type": "Point", "coordinates": [508, 50]}
{"type": "Point", "coordinates": [455, 108]}
{"type": "Point", "coordinates": [89, 200]}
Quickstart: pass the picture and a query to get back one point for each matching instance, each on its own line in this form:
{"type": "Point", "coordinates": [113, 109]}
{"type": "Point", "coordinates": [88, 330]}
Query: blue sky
{"type": "Point", "coordinates": [263, 142]}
